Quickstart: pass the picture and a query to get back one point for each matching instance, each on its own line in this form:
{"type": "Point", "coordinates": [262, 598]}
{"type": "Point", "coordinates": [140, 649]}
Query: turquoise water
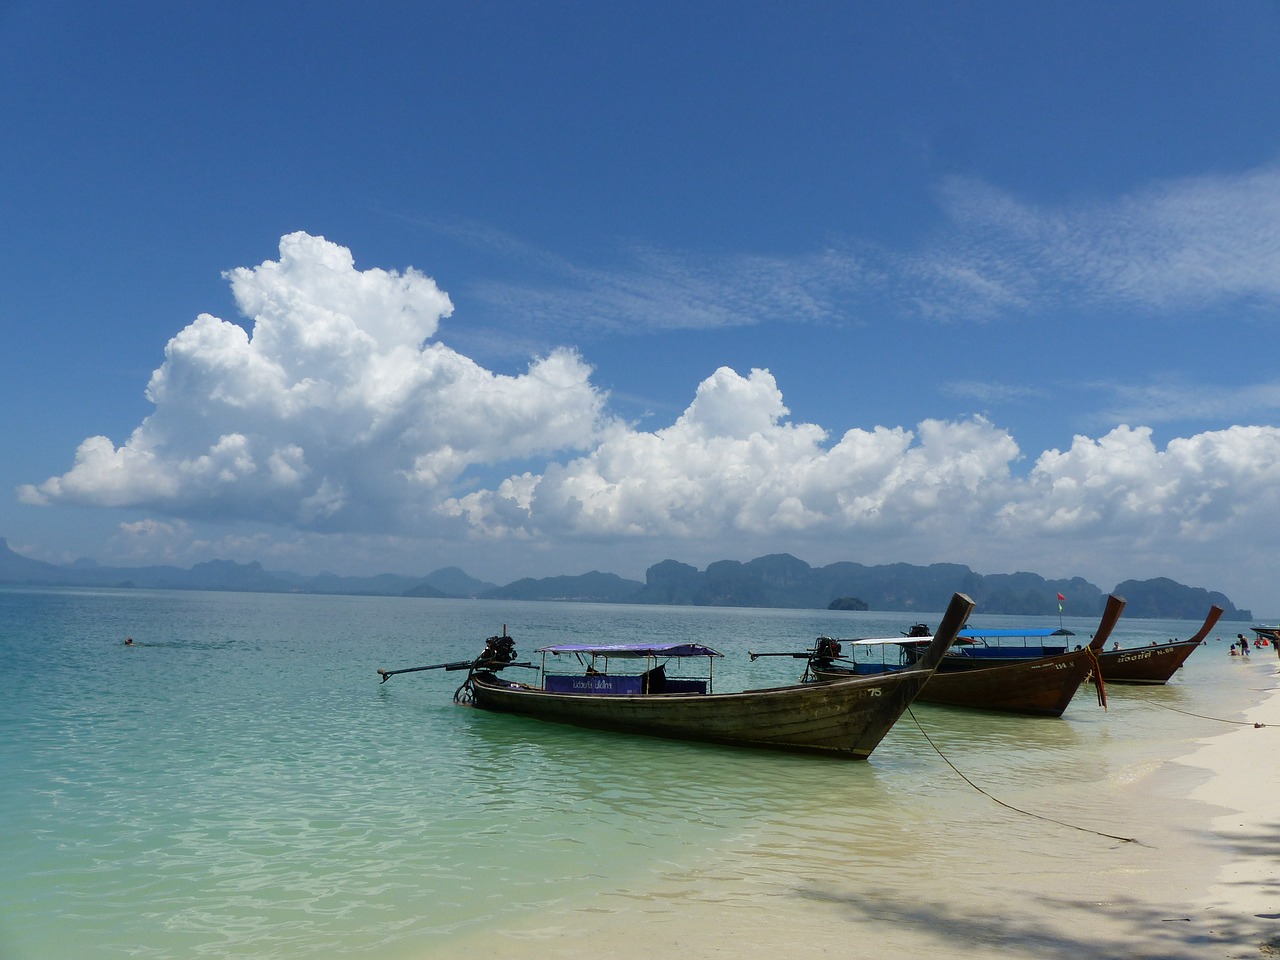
{"type": "Point", "coordinates": [238, 783]}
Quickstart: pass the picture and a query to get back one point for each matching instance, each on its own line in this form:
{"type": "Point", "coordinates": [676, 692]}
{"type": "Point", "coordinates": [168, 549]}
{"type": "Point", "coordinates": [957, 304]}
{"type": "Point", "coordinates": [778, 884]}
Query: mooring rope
{"type": "Point", "coordinates": [1200, 716]}
{"type": "Point", "coordinates": [1009, 806]}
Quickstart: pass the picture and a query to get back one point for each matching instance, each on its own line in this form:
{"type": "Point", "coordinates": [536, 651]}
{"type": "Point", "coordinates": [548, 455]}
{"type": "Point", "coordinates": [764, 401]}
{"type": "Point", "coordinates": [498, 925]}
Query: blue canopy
{"type": "Point", "coordinates": [969, 636]}
{"type": "Point", "coordinates": [634, 649]}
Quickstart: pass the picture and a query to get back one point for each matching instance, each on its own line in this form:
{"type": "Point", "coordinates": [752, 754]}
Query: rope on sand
{"type": "Point", "coordinates": [1007, 806]}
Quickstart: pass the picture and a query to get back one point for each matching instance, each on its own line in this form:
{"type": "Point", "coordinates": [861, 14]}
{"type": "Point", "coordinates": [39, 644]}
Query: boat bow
{"type": "Point", "coordinates": [1110, 616]}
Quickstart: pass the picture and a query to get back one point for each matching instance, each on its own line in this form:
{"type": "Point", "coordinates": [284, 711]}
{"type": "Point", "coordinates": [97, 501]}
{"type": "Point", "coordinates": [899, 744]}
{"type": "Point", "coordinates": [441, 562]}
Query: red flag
{"type": "Point", "coordinates": [1061, 598]}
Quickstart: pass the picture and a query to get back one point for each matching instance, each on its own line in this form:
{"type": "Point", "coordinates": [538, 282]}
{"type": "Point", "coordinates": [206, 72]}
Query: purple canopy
{"type": "Point", "coordinates": [634, 649]}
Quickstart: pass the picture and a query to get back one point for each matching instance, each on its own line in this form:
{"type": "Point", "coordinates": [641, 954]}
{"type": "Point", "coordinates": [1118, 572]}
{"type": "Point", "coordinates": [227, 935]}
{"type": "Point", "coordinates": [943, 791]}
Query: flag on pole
{"type": "Point", "coordinates": [1060, 599]}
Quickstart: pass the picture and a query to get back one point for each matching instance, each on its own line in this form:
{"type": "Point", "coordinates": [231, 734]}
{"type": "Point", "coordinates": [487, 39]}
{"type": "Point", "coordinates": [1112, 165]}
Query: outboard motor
{"type": "Point", "coordinates": [825, 651]}
{"type": "Point", "coordinates": [498, 652]}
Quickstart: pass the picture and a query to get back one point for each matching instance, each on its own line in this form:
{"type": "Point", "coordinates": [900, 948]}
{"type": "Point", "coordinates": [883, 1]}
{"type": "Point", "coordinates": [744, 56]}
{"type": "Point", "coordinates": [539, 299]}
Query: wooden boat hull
{"type": "Point", "coordinates": [987, 659]}
{"type": "Point", "coordinates": [1153, 665]}
{"type": "Point", "coordinates": [1040, 688]}
{"type": "Point", "coordinates": [847, 718]}
{"type": "Point", "coordinates": [1150, 665]}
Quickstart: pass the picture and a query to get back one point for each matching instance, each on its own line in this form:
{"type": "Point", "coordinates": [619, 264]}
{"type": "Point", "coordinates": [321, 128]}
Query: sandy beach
{"type": "Point", "coordinates": [1196, 876]}
{"type": "Point", "coordinates": [1241, 911]}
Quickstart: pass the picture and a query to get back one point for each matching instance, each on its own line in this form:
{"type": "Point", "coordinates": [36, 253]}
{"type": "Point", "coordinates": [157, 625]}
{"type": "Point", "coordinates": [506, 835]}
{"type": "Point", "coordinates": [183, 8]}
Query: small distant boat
{"type": "Point", "coordinates": [847, 718]}
{"type": "Point", "coordinates": [1155, 664]}
{"type": "Point", "coordinates": [1037, 686]}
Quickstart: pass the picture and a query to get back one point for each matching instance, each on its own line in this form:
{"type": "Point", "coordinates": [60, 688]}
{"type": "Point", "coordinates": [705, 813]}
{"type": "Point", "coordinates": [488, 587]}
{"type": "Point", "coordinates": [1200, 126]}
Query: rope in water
{"type": "Point", "coordinates": [1008, 806]}
{"type": "Point", "coordinates": [1201, 716]}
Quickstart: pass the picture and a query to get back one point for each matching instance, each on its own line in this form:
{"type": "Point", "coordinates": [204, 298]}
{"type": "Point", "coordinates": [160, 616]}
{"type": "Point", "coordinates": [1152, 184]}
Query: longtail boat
{"type": "Point", "coordinates": [1041, 686]}
{"type": "Point", "coordinates": [1155, 664]}
{"type": "Point", "coordinates": [847, 718]}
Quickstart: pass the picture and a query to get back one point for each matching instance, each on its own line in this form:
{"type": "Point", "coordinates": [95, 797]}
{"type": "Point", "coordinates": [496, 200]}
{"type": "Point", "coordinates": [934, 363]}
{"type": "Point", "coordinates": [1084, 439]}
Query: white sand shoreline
{"type": "Point", "coordinates": [1242, 906]}
{"type": "Point", "coordinates": [1202, 880]}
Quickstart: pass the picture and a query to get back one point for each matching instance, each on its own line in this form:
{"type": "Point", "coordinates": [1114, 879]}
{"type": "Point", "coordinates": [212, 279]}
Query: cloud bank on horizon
{"type": "Point", "coordinates": [339, 411]}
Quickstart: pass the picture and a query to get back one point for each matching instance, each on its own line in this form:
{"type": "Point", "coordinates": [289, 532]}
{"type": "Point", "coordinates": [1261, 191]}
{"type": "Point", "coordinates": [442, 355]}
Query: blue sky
{"type": "Point", "coordinates": [543, 288]}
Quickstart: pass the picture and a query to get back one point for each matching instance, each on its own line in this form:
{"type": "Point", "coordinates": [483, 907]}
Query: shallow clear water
{"type": "Point", "coordinates": [238, 783]}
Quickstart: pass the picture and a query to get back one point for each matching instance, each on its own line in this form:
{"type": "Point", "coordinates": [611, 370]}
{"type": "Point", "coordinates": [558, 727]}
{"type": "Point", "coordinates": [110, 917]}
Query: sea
{"type": "Point", "coordinates": [238, 783]}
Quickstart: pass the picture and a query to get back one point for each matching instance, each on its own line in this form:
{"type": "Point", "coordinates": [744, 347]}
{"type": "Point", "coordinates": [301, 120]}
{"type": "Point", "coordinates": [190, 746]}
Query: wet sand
{"type": "Point", "coordinates": [1197, 874]}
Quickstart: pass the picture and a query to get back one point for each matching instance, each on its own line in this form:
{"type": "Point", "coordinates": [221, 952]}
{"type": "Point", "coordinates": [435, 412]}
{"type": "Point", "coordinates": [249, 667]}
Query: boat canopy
{"type": "Point", "coordinates": [964, 636]}
{"type": "Point", "coordinates": [637, 650]}
{"type": "Point", "coordinates": [996, 634]}
{"type": "Point", "coordinates": [881, 641]}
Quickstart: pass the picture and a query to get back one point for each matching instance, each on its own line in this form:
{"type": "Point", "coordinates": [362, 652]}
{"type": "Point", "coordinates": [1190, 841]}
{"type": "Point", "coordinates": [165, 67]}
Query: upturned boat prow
{"type": "Point", "coordinates": [1156, 664]}
{"type": "Point", "coordinates": [1110, 617]}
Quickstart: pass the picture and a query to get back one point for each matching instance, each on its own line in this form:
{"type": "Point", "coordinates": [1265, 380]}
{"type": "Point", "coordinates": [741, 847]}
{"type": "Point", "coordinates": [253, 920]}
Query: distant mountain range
{"type": "Point", "coordinates": [778, 580]}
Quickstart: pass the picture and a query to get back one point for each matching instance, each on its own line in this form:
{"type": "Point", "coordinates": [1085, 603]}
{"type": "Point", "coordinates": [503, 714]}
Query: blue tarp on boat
{"type": "Point", "coordinates": [594, 683]}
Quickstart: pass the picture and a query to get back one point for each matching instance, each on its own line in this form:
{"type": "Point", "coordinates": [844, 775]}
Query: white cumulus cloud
{"type": "Point", "coordinates": [1122, 485]}
{"type": "Point", "coordinates": [731, 462]}
{"type": "Point", "coordinates": [335, 411]}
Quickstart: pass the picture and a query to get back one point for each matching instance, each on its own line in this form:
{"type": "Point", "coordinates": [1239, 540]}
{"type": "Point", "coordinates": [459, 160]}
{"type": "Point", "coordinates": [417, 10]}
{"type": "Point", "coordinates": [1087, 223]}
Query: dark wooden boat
{"type": "Point", "coordinates": [1154, 664]}
{"type": "Point", "coordinates": [1042, 686]}
{"type": "Point", "coordinates": [847, 718]}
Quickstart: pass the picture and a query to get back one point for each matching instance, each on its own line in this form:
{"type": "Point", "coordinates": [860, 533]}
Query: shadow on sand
{"type": "Point", "coordinates": [1070, 929]}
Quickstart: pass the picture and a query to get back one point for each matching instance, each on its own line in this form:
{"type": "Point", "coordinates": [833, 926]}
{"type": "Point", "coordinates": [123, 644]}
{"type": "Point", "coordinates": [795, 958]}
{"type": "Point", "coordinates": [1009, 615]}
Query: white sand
{"type": "Point", "coordinates": [1202, 882]}
{"type": "Point", "coordinates": [1241, 910]}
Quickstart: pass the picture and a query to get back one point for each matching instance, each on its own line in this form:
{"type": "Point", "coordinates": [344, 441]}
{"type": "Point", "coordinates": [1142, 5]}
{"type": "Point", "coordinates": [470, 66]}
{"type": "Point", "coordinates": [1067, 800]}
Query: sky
{"type": "Point", "coordinates": [539, 289]}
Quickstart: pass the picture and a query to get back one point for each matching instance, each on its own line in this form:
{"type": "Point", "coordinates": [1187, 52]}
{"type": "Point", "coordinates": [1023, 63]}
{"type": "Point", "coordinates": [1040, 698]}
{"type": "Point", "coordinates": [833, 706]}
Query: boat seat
{"type": "Point", "coordinates": [655, 680]}
{"type": "Point", "coordinates": [681, 685]}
